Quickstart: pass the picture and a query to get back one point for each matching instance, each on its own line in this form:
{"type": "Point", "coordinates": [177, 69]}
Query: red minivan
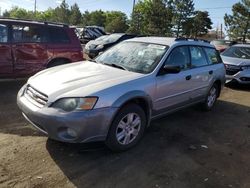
{"type": "Point", "coordinates": [27, 47]}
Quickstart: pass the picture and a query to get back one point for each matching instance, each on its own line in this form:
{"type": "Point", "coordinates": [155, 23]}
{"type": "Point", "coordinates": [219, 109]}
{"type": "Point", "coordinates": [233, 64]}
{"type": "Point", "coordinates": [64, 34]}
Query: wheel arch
{"type": "Point", "coordinates": [136, 97]}
{"type": "Point", "coordinates": [218, 83]}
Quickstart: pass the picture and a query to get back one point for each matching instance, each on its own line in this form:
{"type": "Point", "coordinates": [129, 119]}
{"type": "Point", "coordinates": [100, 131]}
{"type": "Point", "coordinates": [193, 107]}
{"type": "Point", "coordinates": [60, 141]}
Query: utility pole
{"type": "Point", "coordinates": [133, 6]}
{"type": "Point", "coordinates": [35, 8]}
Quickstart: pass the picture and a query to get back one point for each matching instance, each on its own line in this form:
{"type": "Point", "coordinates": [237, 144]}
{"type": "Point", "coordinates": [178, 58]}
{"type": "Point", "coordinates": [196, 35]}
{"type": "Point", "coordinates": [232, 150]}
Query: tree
{"type": "Point", "coordinates": [75, 15]}
{"type": "Point", "coordinates": [152, 17]}
{"type": "Point", "coordinates": [97, 17]}
{"type": "Point", "coordinates": [183, 10]}
{"type": "Point", "coordinates": [238, 24]}
{"type": "Point", "coordinates": [197, 25]}
{"type": "Point", "coordinates": [62, 13]}
{"type": "Point", "coordinates": [48, 15]}
{"type": "Point", "coordinates": [86, 18]}
{"type": "Point", "coordinates": [17, 12]}
{"type": "Point", "coordinates": [159, 18]}
{"type": "Point", "coordinates": [138, 18]}
{"type": "Point", "coordinates": [116, 21]}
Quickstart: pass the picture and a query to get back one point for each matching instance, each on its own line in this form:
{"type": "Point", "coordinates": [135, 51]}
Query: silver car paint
{"type": "Point", "coordinates": [237, 62]}
{"type": "Point", "coordinates": [114, 87]}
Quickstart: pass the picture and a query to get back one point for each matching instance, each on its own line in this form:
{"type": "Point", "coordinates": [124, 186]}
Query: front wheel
{"type": "Point", "coordinates": [127, 128]}
{"type": "Point", "coordinates": [211, 98]}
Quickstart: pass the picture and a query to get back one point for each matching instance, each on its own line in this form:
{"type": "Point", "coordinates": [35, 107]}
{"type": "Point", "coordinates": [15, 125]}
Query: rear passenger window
{"type": "Point", "coordinates": [198, 58]}
{"type": "Point", "coordinates": [26, 33]}
{"type": "Point", "coordinates": [3, 33]}
{"type": "Point", "coordinates": [58, 35]}
{"type": "Point", "coordinates": [213, 56]}
{"type": "Point", "coordinates": [179, 57]}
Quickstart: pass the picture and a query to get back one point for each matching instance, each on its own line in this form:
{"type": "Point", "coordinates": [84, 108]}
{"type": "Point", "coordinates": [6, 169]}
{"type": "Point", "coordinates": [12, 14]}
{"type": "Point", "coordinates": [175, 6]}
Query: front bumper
{"type": "Point", "coordinates": [88, 126]}
{"type": "Point", "coordinates": [242, 77]}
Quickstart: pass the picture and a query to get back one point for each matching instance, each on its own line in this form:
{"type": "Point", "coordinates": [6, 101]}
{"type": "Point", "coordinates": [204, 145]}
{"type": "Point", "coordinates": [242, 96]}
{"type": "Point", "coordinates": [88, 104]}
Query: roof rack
{"type": "Point", "coordinates": [36, 21]}
{"type": "Point", "coordinates": [191, 39]}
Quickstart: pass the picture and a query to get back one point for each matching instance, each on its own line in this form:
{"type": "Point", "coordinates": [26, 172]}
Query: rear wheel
{"type": "Point", "coordinates": [127, 128]}
{"type": "Point", "coordinates": [211, 98]}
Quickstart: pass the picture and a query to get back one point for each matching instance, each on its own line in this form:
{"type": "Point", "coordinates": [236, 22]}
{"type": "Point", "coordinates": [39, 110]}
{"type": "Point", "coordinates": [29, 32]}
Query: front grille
{"type": "Point", "coordinates": [232, 69]}
{"type": "Point", "coordinates": [231, 72]}
{"type": "Point", "coordinates": [35, 96]}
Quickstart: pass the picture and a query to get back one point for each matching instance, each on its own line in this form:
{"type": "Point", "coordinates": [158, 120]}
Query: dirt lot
{"type": "Point", "coordinates": [186, 149]}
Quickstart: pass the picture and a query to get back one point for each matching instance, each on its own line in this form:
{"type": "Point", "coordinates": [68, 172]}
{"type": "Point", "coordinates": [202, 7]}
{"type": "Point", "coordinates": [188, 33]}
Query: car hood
{"type": "Point", "coordinates": [235, 61]}
{"type": "Point", "coordinates": [79, 79]}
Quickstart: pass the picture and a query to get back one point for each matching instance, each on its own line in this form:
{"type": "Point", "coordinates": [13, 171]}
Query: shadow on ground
{"type": "Point", "coordinates": [237, 86]}
{"type": "Point", "coordinates": [186, 149]}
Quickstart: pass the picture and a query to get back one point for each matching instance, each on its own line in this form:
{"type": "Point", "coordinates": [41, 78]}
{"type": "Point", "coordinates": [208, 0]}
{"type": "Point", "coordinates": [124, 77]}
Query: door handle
{"type": "Point", "coordinates": [211, 72]}
{"type": "Point", "coordinates": [188, 77]}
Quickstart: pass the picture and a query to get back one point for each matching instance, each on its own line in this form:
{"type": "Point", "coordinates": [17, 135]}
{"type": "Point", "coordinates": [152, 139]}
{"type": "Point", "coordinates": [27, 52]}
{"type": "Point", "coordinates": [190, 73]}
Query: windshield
{"type": "Point", "coordinates": [110, 38]}
{"type": "Point", "coordinates": [238, 52]}
{"type": "Point", "coordinates": [134, 56]}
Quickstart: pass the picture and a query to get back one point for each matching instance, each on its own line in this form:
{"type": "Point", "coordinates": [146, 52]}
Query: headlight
{"type": "Point", "coordinates": [99, 47]}
{"type": "Point", "coordinates": [70, 104]}
{"type": "Point", "coordinates": [245, 67]}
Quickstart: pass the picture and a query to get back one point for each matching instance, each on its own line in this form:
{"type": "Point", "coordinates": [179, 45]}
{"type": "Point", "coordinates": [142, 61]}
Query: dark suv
{"type": "Point", "coordinates": [27, 47]}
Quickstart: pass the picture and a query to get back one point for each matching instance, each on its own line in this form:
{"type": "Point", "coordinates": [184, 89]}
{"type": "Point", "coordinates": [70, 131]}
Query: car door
{"type": "Point", "coordinates": [29, 48]}
{"type": "Point", "coordinates": [201, 73]}
{"type": "Point", "coordinates": [6, 61]}
{"type": "Point", "coordinates": [173, 90]}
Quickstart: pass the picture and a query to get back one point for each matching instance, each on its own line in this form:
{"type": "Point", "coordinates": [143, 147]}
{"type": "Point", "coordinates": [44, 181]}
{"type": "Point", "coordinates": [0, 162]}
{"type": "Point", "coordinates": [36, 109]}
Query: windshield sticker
{"type": "Point", "coordinates": [160, 47]}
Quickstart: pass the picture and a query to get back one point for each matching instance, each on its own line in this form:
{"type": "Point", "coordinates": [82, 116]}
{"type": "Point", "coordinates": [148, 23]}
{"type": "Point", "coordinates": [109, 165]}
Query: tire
{"type": "Point", "coordinates": [211, 98]}
{"type": "Point", "coordinates": [127, 128]}
{"type": "Point", "coordinates": [57, 63]}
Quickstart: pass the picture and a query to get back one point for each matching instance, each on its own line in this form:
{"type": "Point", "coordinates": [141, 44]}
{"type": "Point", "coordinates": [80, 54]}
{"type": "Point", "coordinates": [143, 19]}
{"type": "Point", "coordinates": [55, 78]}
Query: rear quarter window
{"type": "Point", "coordinates": [213, 56]}
{"type": "Point", "coordinates": [58, 35]}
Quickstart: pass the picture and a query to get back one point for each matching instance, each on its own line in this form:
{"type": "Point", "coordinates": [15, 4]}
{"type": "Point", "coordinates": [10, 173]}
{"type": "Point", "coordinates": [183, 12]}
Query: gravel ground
{"type": "Point", "coordinates": [189, 148]}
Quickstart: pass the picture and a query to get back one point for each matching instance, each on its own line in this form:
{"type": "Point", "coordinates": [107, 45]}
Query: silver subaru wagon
{"type": "Point", "coordinates": [114, 97]}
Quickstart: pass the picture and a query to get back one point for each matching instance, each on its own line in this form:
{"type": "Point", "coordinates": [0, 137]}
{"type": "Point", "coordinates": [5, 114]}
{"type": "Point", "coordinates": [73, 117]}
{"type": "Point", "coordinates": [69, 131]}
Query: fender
{"type": "Point", "coordinates": [133, 95]}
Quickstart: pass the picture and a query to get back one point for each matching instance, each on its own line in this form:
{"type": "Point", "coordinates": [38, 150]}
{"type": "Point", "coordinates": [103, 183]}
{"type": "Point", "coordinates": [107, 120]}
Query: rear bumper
{"type": "Point", "coordinates": [87, 126]}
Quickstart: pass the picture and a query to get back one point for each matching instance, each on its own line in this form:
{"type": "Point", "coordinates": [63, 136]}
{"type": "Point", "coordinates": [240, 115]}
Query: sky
{"type": "Point", "coordinates": [216, 8]}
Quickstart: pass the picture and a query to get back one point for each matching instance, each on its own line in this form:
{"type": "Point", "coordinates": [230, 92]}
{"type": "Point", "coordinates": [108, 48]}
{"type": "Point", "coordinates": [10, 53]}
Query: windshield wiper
{"type": "Point", "coordinates": [116, 66]}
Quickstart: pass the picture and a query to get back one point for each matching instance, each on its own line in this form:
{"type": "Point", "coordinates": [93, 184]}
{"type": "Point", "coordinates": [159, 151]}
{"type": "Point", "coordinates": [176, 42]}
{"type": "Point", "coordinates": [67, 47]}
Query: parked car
{"type": "Point", "coordinates": [94, 47]}
{"type": "Point", "coordinates": [237, 62]}
{"type": "Point", "coordinates": [27, 47]}
{"type": "Point", "coordinates": [115, 99]}
{"type": "Point", "coordinates": [88, 33]}
{"type": "Point", "coordinates": [222, 45]}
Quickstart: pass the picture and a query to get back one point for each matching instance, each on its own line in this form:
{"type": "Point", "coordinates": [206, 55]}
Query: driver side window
{"type": "Point", "coordinates": [179, 57]}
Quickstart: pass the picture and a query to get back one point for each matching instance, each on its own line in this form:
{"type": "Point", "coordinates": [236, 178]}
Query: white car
{"type": "Point", "coordinates": [237, 63]}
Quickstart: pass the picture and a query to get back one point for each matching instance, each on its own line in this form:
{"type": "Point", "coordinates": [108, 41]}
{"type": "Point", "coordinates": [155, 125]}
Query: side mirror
{"type": "Point", "coordinates": [100, 53]}
{"type": "Point", "coordinates": [171, 69]}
